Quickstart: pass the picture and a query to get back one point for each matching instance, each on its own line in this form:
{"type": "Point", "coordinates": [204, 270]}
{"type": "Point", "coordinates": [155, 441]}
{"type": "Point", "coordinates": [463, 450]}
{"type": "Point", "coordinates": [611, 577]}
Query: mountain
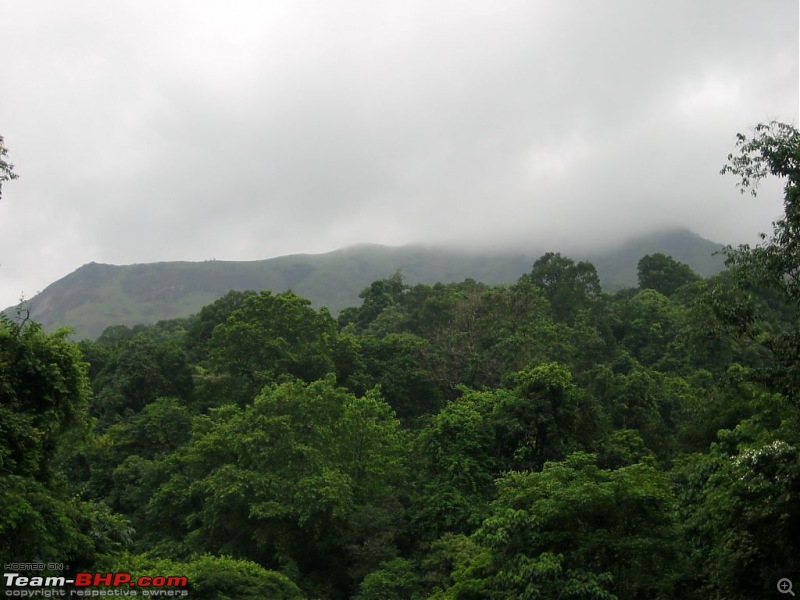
{"type": "Point", "coordinates": [617, 266]}
{"type": "Point", "coordinates": [98, 295]}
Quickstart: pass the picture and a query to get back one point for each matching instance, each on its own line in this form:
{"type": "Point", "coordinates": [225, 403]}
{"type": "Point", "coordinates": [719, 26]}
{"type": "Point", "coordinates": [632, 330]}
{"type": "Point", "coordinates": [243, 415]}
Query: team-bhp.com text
{"type": "Point", "coordinates": [122, 580]}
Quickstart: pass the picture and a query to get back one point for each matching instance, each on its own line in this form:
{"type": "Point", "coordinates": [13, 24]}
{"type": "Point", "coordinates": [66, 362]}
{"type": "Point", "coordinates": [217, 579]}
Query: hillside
{"type": "Point", "coordinates": [617, 267]}
{"type": "Point", "coordinates": [98, 295]}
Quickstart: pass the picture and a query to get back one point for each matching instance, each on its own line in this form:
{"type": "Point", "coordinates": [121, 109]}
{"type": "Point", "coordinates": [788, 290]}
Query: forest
{"type": "Point", "coordinates": [544, 439]}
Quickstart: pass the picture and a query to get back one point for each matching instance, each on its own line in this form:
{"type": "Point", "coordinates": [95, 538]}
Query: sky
{"type": "Point", "coordinates": [240, 130]}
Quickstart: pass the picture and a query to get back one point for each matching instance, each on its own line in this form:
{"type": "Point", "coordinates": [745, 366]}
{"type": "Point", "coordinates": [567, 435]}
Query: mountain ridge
{"type": "Point", "coordinates": [97, 295]}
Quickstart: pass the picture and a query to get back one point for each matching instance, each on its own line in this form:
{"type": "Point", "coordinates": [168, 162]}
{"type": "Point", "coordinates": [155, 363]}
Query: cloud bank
{"type": "Point", "coordinates": [148, 131]}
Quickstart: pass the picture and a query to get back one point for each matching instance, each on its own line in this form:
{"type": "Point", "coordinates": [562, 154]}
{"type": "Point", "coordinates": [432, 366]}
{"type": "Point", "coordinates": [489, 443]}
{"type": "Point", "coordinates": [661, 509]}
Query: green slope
{"type": "Point", "coordinates": [98, 295]}
{"type": "Point", "coordinates": [617, 267]}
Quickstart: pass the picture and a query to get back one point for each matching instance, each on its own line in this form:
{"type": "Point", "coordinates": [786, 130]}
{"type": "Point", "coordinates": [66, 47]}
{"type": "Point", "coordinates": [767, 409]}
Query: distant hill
{"type": "Point", "coordinates": [98, 295]}
{"type": "Point", "coordinates": [617, 267]}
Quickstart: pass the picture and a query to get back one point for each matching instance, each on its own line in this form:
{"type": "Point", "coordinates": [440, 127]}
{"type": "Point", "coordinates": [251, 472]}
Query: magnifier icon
{"type": "Point", "coordinates": [785, 586]}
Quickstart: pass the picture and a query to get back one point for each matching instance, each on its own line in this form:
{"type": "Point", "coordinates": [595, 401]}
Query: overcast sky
{"type": "Point", "coordinates": [188, 130]}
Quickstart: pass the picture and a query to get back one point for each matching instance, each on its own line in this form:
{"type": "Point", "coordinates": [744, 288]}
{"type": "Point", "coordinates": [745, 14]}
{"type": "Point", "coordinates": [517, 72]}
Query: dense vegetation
{"type": "Point", "coordinates": [537, 440]}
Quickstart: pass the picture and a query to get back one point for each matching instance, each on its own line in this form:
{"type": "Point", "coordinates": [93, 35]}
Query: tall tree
{"type": "Point", "coordinates": [43, 394]}
{"type": "Point", "coordinates": [142, 369]}
{"type": "Point", "coordinates": [304, 479]}
{"type": "Point", "coordinates": [570, 287]}
{"type": "Point", "coordinates": [574, 530]}
{"type": "Point", "coordinates": [741, 517]}
{"type": "Point", "coordinates": [43, 400]}
{"type": "Point", "coordinates": [269, 337]}
{"type": "Point", "coordinates": [664, 274]}
{"type": "Point", "coordinates": [773, 149]}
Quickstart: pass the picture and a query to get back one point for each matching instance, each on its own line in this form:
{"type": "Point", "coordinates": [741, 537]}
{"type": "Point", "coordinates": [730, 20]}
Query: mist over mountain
{"type": "Point", "coordinates": [96, 296]}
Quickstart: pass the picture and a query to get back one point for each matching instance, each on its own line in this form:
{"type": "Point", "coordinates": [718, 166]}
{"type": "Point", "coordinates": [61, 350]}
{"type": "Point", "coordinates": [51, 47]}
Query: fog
{"type": "Point", "coordinates": [147, 131]}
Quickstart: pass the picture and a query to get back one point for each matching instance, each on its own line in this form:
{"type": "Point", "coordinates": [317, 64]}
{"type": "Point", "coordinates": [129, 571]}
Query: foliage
{"type": "Point", "coordinates": [648, 326]}
{"type": "Point", "coordinates": [569, 287]}
{"type": "Point", "coordinates": [43, 402]}
{"type": "Point", "coordinates": [574, 530]}
{"type": "Point", "coordinates": [43, 393]}
{"type": "Point", "coordinates": [664, 274]}
{"type": "Point", "coordinates": [742, 519]}
{"type": "Point", "coordinates": [397, 363]}
{"type": "Point", "coordinates": [456, 465]}
{"type": "Point", "coordinates": [138, 370]}
{"type": "Point", "coordinates": [202, 325]}
{"type": "Point", "coordinates": [544, 418]}
{"type": "Point", "coordinates": [6, 168]}
{"type": "Point", "coordinates": [394, 580]}
{"type": "Point", "coordinates": [212, 577]}
{"type": "Point", "coordinates": [773, 149]}
{"type": "Point", "coordinates": [300, 478]}
{"type": "Point", "coordinates": [269, 336]}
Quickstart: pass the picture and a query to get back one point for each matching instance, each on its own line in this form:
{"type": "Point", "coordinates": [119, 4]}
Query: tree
{"type": "Point", "coordinates": [379, 296]}
{"type": "Point", "coordinates": [213, 577]}
{"type": "Point", "coordinates": [642, 399]}
{"type": "Point", "coordinates": [6, 168]}
{"type": "Point", "coordinates": [304, 479]}
{"type": "Point", "coordinates": [142, 369]}
{"type": "Point", "coordinates": [43, 395]}
{"type": "Point", "coordinates": [270, 337]}
{"type": "Point", "coordinates": [43, 403]}
{"type": "Point", "coordinates": [741, 516]}
{"type": "Point", "coordinates": [397, 363]}
{"type": "Point", "coordinates": [648, 326]}
{"type": "Point", "coordinates": [574, 530]}
{"type": "Point", "coordinates": [202, 325]}
{"type": "Point", "coordinates": [773, 149]}
{"type": "Point", "coordinates": [395, 580]}
{"type": "Point", "coordinates": [544, 418]}
{"type": "Point", "coordinates": [664, 274]}
{"type": "Point", "coordinates": [123, 462]}
{"type": "Point", "coordinates": [570, 287]}
{"type": "Point", "coordinates": [455, 465]}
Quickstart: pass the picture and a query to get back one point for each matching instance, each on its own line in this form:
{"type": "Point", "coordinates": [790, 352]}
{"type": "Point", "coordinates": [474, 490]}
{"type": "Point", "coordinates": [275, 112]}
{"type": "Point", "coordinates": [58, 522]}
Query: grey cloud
{"type": "Point", "coordinates": [189, 130]}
